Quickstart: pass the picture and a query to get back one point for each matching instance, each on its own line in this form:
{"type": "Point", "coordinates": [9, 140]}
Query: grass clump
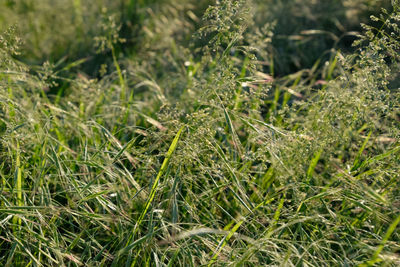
{"type": "Point", "coordinates": [198, 147]}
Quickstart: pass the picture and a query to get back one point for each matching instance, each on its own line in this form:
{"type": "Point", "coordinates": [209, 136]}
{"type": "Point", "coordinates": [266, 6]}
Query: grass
{"type": "Point", "coordinates": [199, 133]}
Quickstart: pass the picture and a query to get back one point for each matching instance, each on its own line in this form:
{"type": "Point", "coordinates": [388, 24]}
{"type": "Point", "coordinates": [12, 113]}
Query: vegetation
{"type": "Point", "coordinates": [187, 133]}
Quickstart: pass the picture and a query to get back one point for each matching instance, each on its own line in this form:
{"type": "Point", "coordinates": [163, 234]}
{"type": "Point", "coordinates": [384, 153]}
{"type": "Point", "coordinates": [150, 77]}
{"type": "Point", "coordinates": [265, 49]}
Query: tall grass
{"type": "Point", "coordinates": [197, 145]}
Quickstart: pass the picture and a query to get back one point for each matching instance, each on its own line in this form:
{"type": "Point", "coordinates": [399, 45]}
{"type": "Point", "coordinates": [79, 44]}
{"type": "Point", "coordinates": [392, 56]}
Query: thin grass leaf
{"type": "Point", "coordinates": [375, 258]}
{"type": "Point", "coordinates": [153, 191]}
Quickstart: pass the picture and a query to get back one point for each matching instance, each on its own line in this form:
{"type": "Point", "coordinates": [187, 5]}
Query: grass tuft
{"type": "Point", "coordinates": [199, 133]}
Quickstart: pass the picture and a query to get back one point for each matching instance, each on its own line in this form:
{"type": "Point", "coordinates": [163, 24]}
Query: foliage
{"type": "Point", "coordinates": [198, 142]}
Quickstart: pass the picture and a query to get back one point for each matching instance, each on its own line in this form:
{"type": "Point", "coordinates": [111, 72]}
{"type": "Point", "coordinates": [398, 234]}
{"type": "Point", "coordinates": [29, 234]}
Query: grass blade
{"type": "Point", "coordinates": [155, 184]}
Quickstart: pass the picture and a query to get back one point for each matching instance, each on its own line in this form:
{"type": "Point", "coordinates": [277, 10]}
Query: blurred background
{"type": "Point", "coordinates": [54, 30]}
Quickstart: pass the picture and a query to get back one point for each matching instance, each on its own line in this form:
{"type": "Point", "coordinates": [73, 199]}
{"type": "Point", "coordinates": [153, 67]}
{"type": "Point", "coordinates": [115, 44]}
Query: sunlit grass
{"type": "Point", "coordinates": [195, 145]}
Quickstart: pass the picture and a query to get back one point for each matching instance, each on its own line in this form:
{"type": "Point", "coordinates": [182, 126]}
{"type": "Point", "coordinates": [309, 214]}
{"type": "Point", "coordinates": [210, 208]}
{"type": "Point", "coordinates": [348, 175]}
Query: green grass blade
{"type": "Point", "coordinates": [385, 239]}
{"type": "Point", "coordinates": [18, 184]}
{"type": "Point", "coordinates": [224, 241]}
{"type": "Point", "coordinates": [234, 229]}
{"type": "Point", "coordinates": [313, 164]}
{"type": "Point", "coordinates": [155, 184]}
{"type": "Point", "coordinates": [357, 159]}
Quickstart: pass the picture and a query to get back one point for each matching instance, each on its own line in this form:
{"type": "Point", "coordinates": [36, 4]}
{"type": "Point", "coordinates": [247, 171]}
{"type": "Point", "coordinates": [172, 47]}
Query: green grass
{"type": "Point", "coordinates": [199, 133]}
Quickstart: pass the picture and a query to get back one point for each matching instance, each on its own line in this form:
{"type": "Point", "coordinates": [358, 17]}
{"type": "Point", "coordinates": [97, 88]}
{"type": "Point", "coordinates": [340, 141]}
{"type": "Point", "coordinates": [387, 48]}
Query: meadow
{"type": "Point", "coordinates": [199, 133]}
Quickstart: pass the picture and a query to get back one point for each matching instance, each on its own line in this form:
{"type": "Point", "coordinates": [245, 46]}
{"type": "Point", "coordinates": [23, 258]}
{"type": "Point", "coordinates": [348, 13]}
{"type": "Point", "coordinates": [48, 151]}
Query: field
{"type": "Point", "coordinates": [199, 133]}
